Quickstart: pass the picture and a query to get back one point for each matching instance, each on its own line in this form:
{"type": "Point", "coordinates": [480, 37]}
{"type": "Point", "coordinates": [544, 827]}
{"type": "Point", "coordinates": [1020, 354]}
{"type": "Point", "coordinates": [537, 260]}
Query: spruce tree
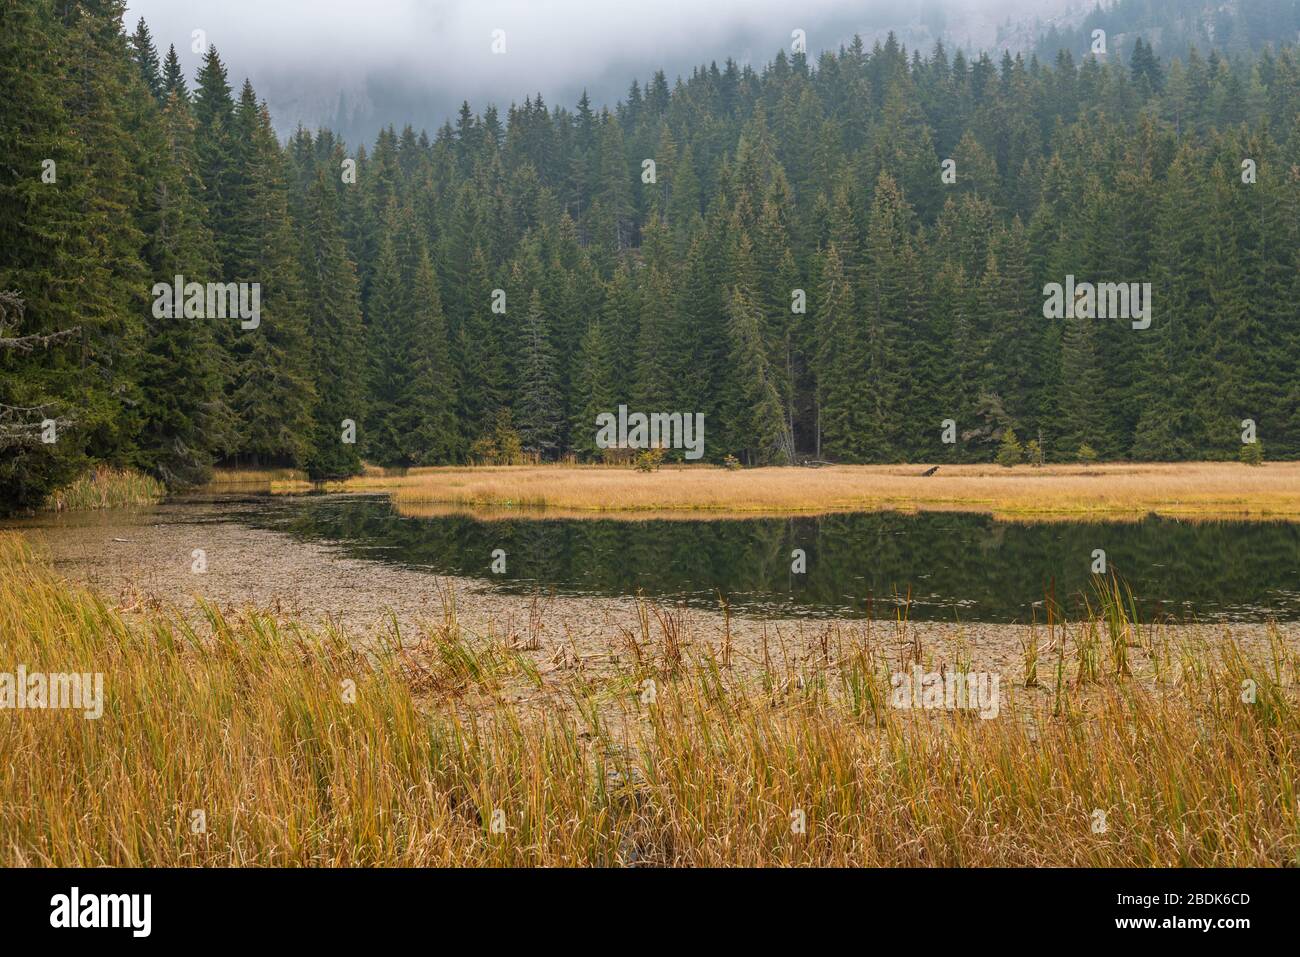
{"type": "Point", "coordinates": [593, 387]}
{"type": "Point", "coordinates": [272, 393]}
{"type": "Point", "coordinates": [184, 422]}
{"type": "Point", "coordinates": [173, 77]}
{"type": "Point", "coordinates": [145, 55]}
{"type": "Point", "coordinates": [840, 364]}
{"type": "Point", "coordinates": [432, 433]}
{"type": "Point", "coordinates": [538, 419]}
{"type": "Point", "coordinates": [385, 339]}
{"type": "Point", "coordinates": [334, 328]}
{"type": "Point", "coordinates": [215, 146]}
{"type": "Point", "coordinates": [44, 247]}
{"type": "Point", "coordinates": [924, 298]}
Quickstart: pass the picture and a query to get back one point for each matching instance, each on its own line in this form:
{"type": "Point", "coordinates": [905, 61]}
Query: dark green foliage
{"type": "Point", "coordinates": [922, 300]}
{"type": "Point", "coordinates": [272, 389]}
{"type": "Point", "coordinates": [145, 55]}
{"type": "Point", "coordinates": [593, 387]}
{"type": "Point", "coordinates": [183, 420]}
{"type": "Point", "coordinates": [1010, 451]}
{"type": "Point", "coordinates": [334, 329]}
{"type": "Point", "coordinates": [539, 417]}
{"type": "Point", "coordinates": [173, 77]}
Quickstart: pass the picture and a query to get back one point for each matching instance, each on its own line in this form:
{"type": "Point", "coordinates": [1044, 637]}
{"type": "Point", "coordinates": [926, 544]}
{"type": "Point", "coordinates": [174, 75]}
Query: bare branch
{"type": "Point", "coordinates": [28, 343]}
{"type": "Point", "coordinates": [12, 308]}
{"type": "Point", "coordinates": [16, 434]}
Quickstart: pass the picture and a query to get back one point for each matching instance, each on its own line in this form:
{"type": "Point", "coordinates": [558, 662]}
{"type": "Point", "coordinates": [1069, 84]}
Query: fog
{"type": "Point", "coordinates": [358, 65]}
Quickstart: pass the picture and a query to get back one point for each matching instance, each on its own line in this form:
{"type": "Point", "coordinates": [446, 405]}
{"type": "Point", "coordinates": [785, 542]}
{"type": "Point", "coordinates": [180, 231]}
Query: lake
{"type": "Point", "coordinates": [955, 566]}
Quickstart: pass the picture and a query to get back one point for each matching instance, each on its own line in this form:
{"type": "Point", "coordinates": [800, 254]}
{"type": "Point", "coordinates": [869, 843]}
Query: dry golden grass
{"type": "Point", "coordinates": [252, 722]}
{"type": "Point", "coordinates": [255, 477]}
{"type": "Point", "coordinates": [105, 487]}
{"type": "Point", "coordinates": [1194, 489]}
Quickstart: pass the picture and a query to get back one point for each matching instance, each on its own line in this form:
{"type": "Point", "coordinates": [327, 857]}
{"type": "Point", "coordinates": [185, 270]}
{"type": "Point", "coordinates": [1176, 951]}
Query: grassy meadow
{"type": "Point", "coordinates": [1114, 746]}
{"type": "Point", "coordinates": [1197, 489]}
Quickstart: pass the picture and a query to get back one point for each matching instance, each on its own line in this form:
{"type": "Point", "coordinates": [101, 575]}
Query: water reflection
{"type": "Point", "coordinates": [955, 565]}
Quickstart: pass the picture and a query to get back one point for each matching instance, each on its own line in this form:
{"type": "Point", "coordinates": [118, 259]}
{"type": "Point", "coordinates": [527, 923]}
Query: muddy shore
{"type": "Point", "coordinates": [145, 557]}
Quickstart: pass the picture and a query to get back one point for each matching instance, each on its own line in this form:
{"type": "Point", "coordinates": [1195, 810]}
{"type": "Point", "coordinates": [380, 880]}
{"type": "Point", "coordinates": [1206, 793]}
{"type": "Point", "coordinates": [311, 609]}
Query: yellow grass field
{"type": "Point", "coordinates": [1194, 489]}
{"type": "Point", "coordinates": [299, 750]}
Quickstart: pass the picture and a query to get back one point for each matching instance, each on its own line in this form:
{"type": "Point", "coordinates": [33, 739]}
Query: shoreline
{"type": "Point", "coordinates": [1125, 491]}
{"type": "Point", "coordinates": [142, 560]}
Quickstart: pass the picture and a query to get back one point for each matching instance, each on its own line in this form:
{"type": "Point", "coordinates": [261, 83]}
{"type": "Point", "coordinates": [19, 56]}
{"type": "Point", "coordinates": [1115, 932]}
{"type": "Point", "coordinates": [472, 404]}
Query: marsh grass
{"type": "Point", "coordinates": [1112, 491]}
{"type": "Point", "coordinates": [105, 487]}
{"type": "Point", "coordinates": [258, 479]}
{"type": "Point", "coordinates": [246, 719]}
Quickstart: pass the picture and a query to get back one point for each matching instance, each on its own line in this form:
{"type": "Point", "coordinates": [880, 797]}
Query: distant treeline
{"type": "Point", "coordinates": [1172, 26]}
{"type": "Point", "coordinates": [493, 288]}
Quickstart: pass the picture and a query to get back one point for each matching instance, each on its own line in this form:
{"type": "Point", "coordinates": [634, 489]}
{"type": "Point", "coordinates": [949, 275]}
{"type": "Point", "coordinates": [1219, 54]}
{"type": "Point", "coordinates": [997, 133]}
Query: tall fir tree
{"type": "Point", "coordinates": [539, 415]}
{"type": "Point", "coordinates": [333, 306]}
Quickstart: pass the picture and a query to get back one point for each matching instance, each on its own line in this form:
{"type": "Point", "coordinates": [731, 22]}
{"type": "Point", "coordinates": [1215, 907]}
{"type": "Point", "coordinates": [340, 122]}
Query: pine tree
{"type": "Point", "coordinates": [482, 361]}
{"type": "Point", "coordinates": [432, 434]}
{"type": "Point", "coordinates": [334, 326]}
{"type": "Point", "coordinates": [1168, 426]}
{"type": "Point", "coordinates": [538, 420]}
{"type": "Point", "coordinates": [1082, 395]}
{"type": "Point", "coordinates": [271, 392]}
{"type": "Point", "coordinates": [652, 376]}
{"type": "Point", "coordinates": [385, 339]}
{"type": "Point", "coordinates": [106, 102]}
{"type": "Point", "coordinates": [146, 60]}
{"type": "Point", "coordinates": [757, 426]}
{"type": "Point", "coordinates": [214, 113]}
{"type": "Point", "coordinates": [923, 298]}
{"type": "Point", "coordinates": [593, 387]}
{"type": "Point", "coordinates": [44, 247]}
{"type": "Point", "coordinates": [173, 76]}
{"type": "Point", "coordinates": [840, 363]}
{"type": "Point", "coordinates": [1010, 451]}
{"type": "Point", "coordinates": [894, 306]}
{"type": "Point", "coordinates": [184, 421]}
{"type": "Point", "coordinates": [413, 386]}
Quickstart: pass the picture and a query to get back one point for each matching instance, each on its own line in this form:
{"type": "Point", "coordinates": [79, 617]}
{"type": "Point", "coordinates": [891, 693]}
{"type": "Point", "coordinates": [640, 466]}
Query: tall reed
{"type": "Point", "coordinates": [105, 487]}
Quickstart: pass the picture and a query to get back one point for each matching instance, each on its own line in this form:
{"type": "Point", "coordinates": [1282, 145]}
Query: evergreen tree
{"type": "Point", "coordinates": [271, 394]}
{"type": "Point", "coordinates": [145, 55]}
{"type": "Point", "coordinates": [380, 298]}
{"type": "Point", "coordinates": [107, 105]}
{"type": "Point", "coordinates": [538, 421]}
{"type": "Point", "coordinates": [385, 362]}
{"type": "Point", "coordinates": [841, 364]}
{"type": "Point", "coordinates": [431, 430]}
{"type": "Point", "coordinates": [593, 387]}
{"type": "Point", "coordinates": [44, 248]}
{"type": "Point", "coordinates": [216, 145]}
{"type": "Point", "coordinates": [173, 77]}
{"type": "Point", "coordinates": [334, 326]}
{"type": "Point", "coordinates": [184, 422]}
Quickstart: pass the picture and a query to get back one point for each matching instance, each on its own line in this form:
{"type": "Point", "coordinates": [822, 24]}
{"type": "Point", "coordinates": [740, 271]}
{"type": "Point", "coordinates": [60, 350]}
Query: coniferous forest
{"type": "Point", "coordinates": [783, 249]}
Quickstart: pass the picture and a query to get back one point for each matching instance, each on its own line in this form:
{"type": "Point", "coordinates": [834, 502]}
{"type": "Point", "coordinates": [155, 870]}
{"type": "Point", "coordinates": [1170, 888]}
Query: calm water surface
{"type": "Point", "coordinates": [956, 566]}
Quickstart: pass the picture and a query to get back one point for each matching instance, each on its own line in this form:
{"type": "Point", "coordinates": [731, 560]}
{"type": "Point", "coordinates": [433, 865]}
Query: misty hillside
{"type": "Point", "coordinates": [330, 73]}
{"type": "Point", "coordinates": [1233, 27]}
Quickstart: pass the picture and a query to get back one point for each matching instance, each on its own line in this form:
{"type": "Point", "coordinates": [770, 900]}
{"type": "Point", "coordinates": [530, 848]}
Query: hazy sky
{"type": "Point", "coordinates": [301, 54]}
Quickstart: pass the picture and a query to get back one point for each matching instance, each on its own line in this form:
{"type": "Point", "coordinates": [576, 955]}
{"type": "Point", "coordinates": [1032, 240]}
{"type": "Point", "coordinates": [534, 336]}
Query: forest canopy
{"type": "Point", "coordinates": [831, 259]}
